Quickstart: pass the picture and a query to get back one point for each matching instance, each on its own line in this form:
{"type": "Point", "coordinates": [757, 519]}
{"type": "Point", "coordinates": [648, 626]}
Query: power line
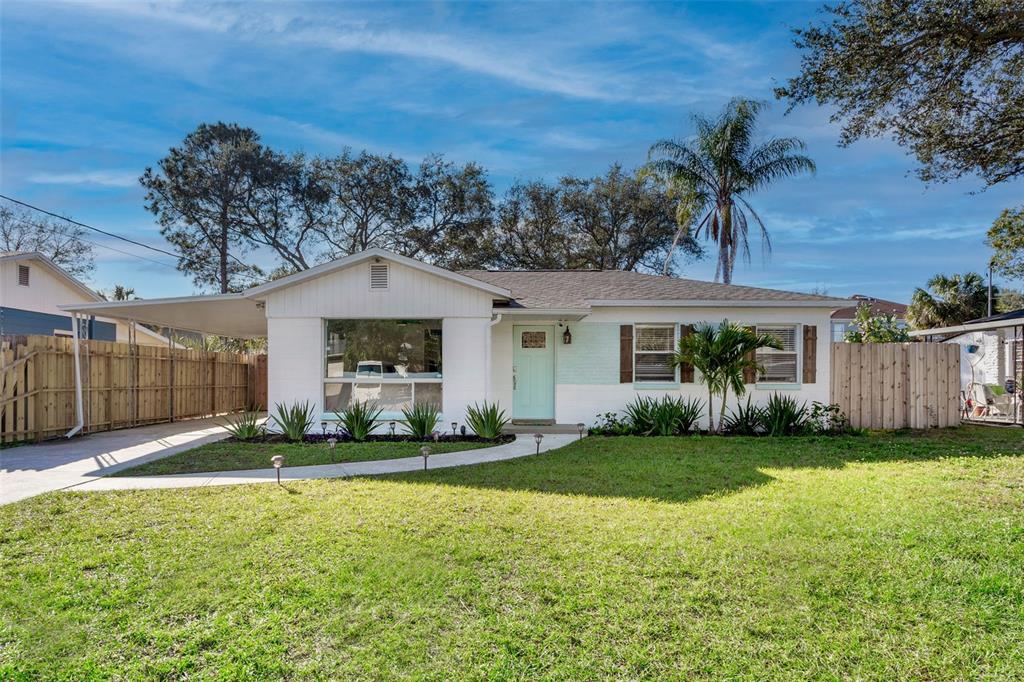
{"type": "Point", "coordinates": [124, 239]}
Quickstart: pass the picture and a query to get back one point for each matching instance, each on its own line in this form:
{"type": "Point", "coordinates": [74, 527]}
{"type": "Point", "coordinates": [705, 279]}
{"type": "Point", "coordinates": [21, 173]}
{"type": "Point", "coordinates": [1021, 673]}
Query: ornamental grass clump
{"type": "Point", "coordinates": [746, 420]}
{"type": "Point", "coordinates": [359, 419]}
{"type": "Point", "coordinates": [486, 420]}
{"type": "Point", "coordinates": [783, 416]}
{"type": "Point", "coordinates": [421, 419]}
{"type": "Point", "coordinates": [294, 420]}
{"type": "Point", "coordinates": [244, 425]}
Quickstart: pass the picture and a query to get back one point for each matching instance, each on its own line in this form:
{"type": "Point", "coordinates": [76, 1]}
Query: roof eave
{"type": "Point", "coordinates": [712, 303]}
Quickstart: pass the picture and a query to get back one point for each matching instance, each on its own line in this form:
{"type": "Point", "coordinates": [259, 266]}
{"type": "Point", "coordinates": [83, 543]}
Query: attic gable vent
{"type": "Point", "coordinates": [378, 276]}
{"type": "Point", "coordinates": [23, 275]}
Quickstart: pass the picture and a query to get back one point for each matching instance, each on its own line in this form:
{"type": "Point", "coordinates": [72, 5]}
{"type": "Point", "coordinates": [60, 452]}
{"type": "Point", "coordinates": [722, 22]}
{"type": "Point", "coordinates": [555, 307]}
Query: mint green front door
{"type": "Point", "coordinates": [533, 373]}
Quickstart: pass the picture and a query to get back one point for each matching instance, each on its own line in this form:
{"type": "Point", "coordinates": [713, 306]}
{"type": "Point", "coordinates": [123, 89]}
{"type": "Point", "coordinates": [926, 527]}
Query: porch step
{"type": "Point", "coordinates": [518, 426]}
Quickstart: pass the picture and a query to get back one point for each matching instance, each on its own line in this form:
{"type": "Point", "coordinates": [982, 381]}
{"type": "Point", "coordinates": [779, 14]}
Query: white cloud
{"type": "Point", "coordinates": [101, 178]}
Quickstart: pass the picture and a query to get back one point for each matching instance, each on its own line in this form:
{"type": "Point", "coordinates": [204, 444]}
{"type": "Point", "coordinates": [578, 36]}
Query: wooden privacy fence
{"type": "Point", "coordinates": [123, 385]}
{"type": "Point", "coordinates": [897, 385]}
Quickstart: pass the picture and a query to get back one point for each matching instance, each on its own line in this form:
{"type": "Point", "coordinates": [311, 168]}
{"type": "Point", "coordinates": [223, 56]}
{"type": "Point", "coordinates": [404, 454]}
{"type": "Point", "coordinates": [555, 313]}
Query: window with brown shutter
{"type": "Point", "coordinates": [810, 354]}
{"type": "Point", "coordinates": [686, 374]}
{"type": "Point", "coordinates": [626, 354]}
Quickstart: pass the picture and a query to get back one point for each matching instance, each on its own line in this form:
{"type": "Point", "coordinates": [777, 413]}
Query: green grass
{"type": "Point", "coordinates": [234, 456]}
{"type": "Point", "coordinates": [896, 557]}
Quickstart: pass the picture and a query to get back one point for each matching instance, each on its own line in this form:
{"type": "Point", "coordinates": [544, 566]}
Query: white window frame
{"type": "Point", "coordinates": [798, 341]}
{"type": "Point", "coordinates": [325, 380]}
{"type": "Point", "coordinates": [675, 342]}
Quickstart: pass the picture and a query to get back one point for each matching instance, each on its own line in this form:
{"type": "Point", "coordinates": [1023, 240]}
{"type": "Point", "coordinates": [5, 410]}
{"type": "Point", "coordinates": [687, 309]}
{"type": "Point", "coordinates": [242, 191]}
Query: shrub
{"type": "Point", "coordinates": [745, 420]}
{"type": "Point", "coordinates": [690, 412]}
{"type": "Point", "coordinates": [640, 416]}
{"type": "Point", "coordinates": [783, 416]}
{"type": "Point", "coordinates": [828, 419]}
{"type": "Point", "coordinates": [486, 420]}
{"type": "Point", "coordinates": [359, 419]}
{"type": "Point", "coordinates": [294, 420]}
{"type": "Point", "coordinates": [610, 424]}
{"type": "Point", "coordinates": [421, 420]}
{"type": "Point", "coordinates": [244, 425]}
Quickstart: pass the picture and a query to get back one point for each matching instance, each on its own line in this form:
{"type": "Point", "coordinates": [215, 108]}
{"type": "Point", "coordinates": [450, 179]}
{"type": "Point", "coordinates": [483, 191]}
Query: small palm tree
{"type": "Point", "coordinates": [949, 300]}
{"type": "Point", "coordinates": [721, 354]}
{"type": "Point", "coordinates": [713, 174]}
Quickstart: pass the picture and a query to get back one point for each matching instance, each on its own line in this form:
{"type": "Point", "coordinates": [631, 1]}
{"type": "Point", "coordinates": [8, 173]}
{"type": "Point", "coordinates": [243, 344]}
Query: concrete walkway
{"type": "Point", "coordinates": [28, 470]}
{"type": "Point", "coordinates": [521, 447]}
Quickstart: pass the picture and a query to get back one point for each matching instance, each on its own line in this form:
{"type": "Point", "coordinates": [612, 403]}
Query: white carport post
{"type": "Point", "coordinates": [79, 413]}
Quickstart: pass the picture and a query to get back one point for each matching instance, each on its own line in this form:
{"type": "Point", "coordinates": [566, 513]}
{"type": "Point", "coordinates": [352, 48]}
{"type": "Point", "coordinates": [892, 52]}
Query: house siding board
{"type": "Point", "coordinates": [411, 293]}
{"type": "Point", "coordinates": [15, 321]}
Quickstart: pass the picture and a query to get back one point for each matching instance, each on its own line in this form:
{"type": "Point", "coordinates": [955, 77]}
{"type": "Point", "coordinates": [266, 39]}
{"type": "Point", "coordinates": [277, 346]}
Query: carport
{"type": "Point", "coordinates": [229, 315]}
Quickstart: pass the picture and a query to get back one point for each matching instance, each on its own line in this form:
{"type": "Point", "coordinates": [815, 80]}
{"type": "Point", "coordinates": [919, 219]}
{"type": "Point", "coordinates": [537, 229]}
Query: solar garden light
{"type": "Point", "coordinates": [425, 451]}
{"type": "Point", "coordinates": [392, 425]}
{"type": "Point", "coordinates": [537, 438]}
{"type": "Point", "coordinates": [437, 436]}
{"type": "Point", "coordinates": [331, 442]}
{"type": "Point", "coordinates": [278, 462]}
{"type": "Point", "coordinates": [455, 425]}
{"type": "Point", "coordinates": [323, 426]}
{"type": "Point", "coordinates": [580, 427]}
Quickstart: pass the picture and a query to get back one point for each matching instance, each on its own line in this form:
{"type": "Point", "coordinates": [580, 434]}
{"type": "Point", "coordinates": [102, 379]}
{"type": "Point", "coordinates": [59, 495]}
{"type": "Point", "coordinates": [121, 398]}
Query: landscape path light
{"type": "Point", "coordinates": [537, 438]}
{"type": "Point", "coordinates": [392, 424]}
{"type": "Point", "coordinates": [425, 451]}
{"type": "Point", "coordinates": [455, 427]}
{"type": "Point", "coordinates": [580, 427]}
{"type": "Point", "coordinates": [331, 442]}
{"type": "Point", "coordinates": [278, 462]}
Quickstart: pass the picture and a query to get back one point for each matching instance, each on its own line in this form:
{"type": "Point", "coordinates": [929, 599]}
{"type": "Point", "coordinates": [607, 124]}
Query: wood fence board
{"type": "Point", "coordinates": [891, 386]}
{"type": "Point", "coordinates": [123, 385]}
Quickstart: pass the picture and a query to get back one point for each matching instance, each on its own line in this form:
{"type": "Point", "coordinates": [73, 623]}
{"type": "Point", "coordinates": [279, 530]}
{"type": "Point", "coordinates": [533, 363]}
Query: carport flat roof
{"type": "Point", "coordinates": [231, 315]}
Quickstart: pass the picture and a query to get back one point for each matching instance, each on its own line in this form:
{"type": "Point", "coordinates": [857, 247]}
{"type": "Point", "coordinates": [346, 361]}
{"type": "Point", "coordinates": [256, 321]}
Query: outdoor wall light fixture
{"type": "Point", "coordinates": [580, 427]}
{"type": "Point", "coordinates": [278, 462]}
{"type": "Point", "coordinates": [455, 426]}
{"type": "Point", "coordinates": [537, 438]}
{"type": "Point", "coordinates": [425, 452]}
{"type": "Point", "coordinates": [567, 336]}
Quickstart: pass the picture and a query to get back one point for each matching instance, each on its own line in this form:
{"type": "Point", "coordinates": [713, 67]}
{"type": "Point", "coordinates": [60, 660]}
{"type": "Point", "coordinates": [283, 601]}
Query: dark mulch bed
{"type": "Point", "coordinates": [379, 438]}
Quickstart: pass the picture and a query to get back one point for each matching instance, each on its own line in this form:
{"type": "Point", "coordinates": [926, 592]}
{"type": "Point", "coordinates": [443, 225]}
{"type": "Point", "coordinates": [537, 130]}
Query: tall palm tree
{"type": "Point", "coordinates": [721, 354]}
{"type": "Point", "coordinates": [948, 301]}
{"type": "Point", "coordinates": [717, 170]}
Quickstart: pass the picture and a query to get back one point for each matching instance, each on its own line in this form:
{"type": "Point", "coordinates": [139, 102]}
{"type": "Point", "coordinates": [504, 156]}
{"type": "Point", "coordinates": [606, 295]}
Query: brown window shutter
{"type": "Point", "coordinates": [810, 353]}
{"type": "Point", "coordinates": [685, 369]}
{"type": "Point", "coordinates": [626, 354]}
{"type": "Point", "coordinates": [750, 373]}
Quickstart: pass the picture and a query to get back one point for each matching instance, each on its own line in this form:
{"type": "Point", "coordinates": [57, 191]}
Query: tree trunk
{"type": "Point", "coordinates": [726, 240]}
{"type": "Point", "coordinates": [711, 411]}
{"type": "Point", "coordinates": [721, 412]}
{"type": "Point", "coordinates": [224, 251]}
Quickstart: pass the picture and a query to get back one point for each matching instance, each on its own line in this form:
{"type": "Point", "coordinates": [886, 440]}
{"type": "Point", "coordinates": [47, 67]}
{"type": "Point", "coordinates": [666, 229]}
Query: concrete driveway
{"type": "Point", "coordinates": [29, 470]}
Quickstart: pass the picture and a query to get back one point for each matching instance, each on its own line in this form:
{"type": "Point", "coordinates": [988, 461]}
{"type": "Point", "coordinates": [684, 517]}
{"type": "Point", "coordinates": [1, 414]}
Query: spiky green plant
{"type": "Point", "coordinates": [244, 425]}
{"type": "Point", "coordinates": [690, 412]}
{"type": "Point", "coordinates": [359, 419]}
{"type": "Point", "coordinates": [421, 419]}
{"type": "Point", "coordinates": [640, 415]}
{"type": "Point", "coordinates": [486, 420]}
{"type": "Point", "coordinates": [294, 420]}
{"type": "Point", "coordinates": [784, 416]}
{"type": "Point", "coordinates": [745, 420]}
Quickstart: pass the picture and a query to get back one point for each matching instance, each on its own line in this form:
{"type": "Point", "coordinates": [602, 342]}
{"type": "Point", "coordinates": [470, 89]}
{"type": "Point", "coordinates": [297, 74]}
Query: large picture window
{"type": "Point", "coordinates": [778, 366]}
{"type": "Point", "coordinates": [394, 363]}
{"type": "Point", "coordinates": [653, 346]}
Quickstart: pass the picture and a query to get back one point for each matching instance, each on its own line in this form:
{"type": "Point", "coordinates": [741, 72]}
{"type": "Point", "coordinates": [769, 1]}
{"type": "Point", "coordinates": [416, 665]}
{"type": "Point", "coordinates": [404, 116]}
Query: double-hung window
{"type": "Point", "coordinates": [653, 345]}
{"type": "Point", "coordinates": [392, 363]}
{"type": "Point", "coordinates": [778, 366]}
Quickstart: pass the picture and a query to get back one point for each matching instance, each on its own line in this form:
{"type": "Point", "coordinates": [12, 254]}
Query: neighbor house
{"type": "Point", "coordinates": [843, 320]}
{"type": "Point", "coordinates": [548, 346]}
{"type": "Point", "coordinates": [32, 287]}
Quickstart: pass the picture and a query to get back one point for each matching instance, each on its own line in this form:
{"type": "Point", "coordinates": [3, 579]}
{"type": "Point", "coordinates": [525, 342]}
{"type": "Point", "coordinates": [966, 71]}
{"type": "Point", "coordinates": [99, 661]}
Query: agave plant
{"type": "Point", "coordinates": [486, 420]}
{"type": "Point", "coordinates": [421, 419]}
{"type": "Point", "coordinates": [783, 416]}
{"type": "Point", "coordinates": [359, 419]}
{"type": "Point", "coordinates": [244, 425]}
{"type": "Point", "coordinates": [640, 415]}
{"type": "Point", "coordinates": [294, 420]}
{"type": "Point", "coordinates": [745, 420]}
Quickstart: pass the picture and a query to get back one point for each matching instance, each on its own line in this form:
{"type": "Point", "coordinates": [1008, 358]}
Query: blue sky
{"type": "Point", "coordinates": [94, 92]}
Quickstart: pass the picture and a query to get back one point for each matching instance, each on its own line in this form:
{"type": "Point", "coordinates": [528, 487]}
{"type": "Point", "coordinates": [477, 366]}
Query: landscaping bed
{"type": "Point", "coordinates": [879, 557]}
{"type": "Point", "coordinates": [234, 455]}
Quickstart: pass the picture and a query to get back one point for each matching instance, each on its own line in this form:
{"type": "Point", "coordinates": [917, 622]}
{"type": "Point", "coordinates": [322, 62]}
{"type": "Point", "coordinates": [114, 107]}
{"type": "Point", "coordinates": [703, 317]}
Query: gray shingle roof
{"type": "Point", "coordinates": [573, 288]}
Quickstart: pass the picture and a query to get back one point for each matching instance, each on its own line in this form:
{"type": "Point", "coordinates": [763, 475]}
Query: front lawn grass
{"type": "Point", "coordinates": [236, 456]}
{"type": "Point", "coordinates": [881, 557]}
